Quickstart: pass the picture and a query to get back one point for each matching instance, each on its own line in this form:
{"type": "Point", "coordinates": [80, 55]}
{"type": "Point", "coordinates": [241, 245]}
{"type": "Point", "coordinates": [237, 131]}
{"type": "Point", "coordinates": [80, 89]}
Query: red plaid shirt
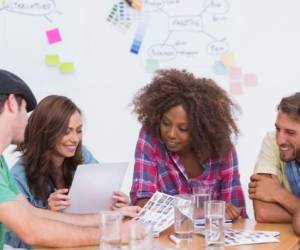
{"type": "Point", "coordinates": [158, 169]}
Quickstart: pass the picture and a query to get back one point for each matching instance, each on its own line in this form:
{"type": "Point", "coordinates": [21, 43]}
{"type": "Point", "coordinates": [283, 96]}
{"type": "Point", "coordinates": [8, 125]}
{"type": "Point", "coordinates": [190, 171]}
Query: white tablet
{"type": "Point", "coordinates": [93, 186]}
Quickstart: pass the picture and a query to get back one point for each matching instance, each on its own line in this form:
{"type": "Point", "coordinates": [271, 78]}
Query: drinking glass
{"type": "Point", "coordinates": [201, 194]}
{"type": "Point", "coordinates": [183, 226]}
{"type": "Point", "coordinates": [214, 212]}
{"type": "Point", "coordinates": [110, 230]}
{"type": "Point", "coordinates": [140, 236]}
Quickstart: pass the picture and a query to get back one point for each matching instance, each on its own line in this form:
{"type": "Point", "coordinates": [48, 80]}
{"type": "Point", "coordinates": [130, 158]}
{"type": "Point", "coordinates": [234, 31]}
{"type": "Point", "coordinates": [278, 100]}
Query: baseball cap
{"type": "Point", "coordinates": [12, 84]}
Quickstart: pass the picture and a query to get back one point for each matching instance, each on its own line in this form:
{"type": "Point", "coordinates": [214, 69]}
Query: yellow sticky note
{"type": "Point", "coordinates": [228, 59]}
{"type": "Point", "coordinates": [67, 67]}
{"type": "Point", "coordinates": [52, 60]}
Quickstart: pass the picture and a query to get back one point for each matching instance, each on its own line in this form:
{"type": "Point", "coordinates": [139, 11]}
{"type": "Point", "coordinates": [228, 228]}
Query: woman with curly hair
{"type": "Point", "coordinates": [186, 136]}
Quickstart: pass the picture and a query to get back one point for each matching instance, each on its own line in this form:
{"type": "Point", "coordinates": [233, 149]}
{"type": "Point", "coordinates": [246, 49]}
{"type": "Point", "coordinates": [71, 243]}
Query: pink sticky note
{"type": "Point", "coordinates": [235, 73]}
{"type": "Point", "coordinates": [235, 88]}
{"type": "Point", "coordinates": [53, 36]}
{"type": "Point", "coordinates": [250, 80]}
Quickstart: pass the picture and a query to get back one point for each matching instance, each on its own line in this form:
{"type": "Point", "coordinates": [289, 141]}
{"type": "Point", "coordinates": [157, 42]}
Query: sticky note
{"type": "Point", "coordinates": [250, 80]}
{"type": "Point", "coordinates": [235, 88]}
{"type": "Point", "coordinates": [136, 4]}
{"type": "Point", "coordinates": [219, 68]}
{"type": "Point", "coordinates": [67, 67]}
{"type": "Point", "coordinates": [235, 73]}
{"type": "Point", "coordinates": [52, 60]}
{"type": "Point", "coordinates": [228, 59]}
{"type": "Point", "coordinates": [151, 65]}
{"type": "Point", "coordinates": [53, 36]}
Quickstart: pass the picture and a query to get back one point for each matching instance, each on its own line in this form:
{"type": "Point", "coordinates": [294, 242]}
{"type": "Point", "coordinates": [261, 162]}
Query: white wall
{"type": "Point", "coordinates": [262, 35]}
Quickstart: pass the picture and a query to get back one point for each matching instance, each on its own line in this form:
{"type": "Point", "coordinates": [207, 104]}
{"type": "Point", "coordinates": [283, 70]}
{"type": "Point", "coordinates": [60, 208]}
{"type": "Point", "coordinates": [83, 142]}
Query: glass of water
{"type": "Point", "coordinates": [110, 230]}
{"type": "Point", "coordinates": [183, 226]}
{"type": "Point", "coordinates": [201, 194]}
{"type": "Point", "coordinates": [214, 212]}
{"type": "Point", "coordinates": [140, 236]}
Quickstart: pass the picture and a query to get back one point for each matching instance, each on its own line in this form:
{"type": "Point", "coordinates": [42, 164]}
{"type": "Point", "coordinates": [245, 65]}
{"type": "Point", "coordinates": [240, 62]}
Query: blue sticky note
{"type": "Point", "coordinates": [219, 68]}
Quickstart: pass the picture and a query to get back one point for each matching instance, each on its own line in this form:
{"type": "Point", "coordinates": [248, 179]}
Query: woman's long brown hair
{"type": "Point", "coordinates": [46, 126]}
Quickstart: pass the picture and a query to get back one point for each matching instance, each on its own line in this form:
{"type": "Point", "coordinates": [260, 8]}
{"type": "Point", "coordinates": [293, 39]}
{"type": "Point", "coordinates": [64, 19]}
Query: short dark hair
{"type": "Point", "coordinates": [12, 84]}
{"type": "Point", "coordinates": [3, 98]}
{"type": "Point", "coordinates": [290, 105]}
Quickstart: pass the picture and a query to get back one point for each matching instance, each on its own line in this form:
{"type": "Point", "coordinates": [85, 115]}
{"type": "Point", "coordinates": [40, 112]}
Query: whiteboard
{"type": "Point", "coordinates": [257, 42]}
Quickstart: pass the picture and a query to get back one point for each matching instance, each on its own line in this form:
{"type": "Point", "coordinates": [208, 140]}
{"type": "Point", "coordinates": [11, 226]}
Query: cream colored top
{"type": "Point", "coordinates": [268, 160]}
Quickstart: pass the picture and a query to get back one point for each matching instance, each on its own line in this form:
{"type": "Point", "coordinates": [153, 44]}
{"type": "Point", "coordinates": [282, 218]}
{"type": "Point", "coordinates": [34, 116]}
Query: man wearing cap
{"type": "Point", "coordinates": [275, 186]}
{"type": "Point", "coordinates": [34, 226]}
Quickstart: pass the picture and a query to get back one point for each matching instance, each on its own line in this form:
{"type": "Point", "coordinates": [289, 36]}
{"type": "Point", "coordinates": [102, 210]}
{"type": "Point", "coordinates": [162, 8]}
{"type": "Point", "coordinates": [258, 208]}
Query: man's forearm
{"type": "Point", "coordinates": [287, 200]}
{"type": "Point", "coordinates": [40, 230]}
{"type": "Point", "coordinates": [270, 212]}
{"type": "Point", "coordinates": [75, 219]}
{"type": "Point", "coordinates": [53, 233]}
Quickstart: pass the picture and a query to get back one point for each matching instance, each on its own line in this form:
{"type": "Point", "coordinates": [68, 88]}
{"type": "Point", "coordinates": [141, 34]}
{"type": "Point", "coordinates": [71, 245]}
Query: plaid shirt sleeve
{"type": "Point", "coordinates": [145, 169]}
{"type": "Point", "coordinates": [231, 186]}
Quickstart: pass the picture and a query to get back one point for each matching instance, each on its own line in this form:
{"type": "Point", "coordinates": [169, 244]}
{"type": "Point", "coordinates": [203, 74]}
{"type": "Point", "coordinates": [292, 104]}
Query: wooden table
{"type": "Point", "coordinates": [288, 240]}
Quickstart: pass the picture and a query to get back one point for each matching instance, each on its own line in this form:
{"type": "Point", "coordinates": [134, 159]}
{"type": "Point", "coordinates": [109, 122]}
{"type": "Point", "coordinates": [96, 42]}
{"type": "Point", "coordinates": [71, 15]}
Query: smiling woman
{"type": "Point", "coordinates": [51, 151]}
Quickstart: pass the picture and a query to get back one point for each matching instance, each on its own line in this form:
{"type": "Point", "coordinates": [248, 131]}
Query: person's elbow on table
{"type": "Point", "coordinates": [296, 222]}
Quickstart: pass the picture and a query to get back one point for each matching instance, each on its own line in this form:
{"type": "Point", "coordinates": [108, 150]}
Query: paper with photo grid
{"type": "Point", "coordinates": [235, 237]}
{"type": "Point", "coordinates": [158, 212]}
{"type": "Point", "coordinates": [243, 237]}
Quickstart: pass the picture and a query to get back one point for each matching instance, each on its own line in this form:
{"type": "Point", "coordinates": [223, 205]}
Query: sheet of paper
{"type": "Point", "coordinates": [240, 237]}
{"type": "Point", "coordinates": [235, 237]}
{"type": "Point", "coordinates": [93, 186]}
{"type": "Point", "coordinates": [158, 212]}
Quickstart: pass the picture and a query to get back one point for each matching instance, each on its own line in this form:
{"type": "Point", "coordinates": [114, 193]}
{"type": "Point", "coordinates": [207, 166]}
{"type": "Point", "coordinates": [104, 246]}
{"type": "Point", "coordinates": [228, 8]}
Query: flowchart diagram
{"type": "Point", "coordinates": [184, 33]}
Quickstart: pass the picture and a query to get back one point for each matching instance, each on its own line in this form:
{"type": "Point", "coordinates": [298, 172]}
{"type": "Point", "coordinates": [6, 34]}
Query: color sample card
{"type": "Point", "coordinates": [113, 15]}
{"type": "Point", "coordinates": [121, 16]}
{"type": "Point", "coordinates": [123, 12]}
{"type": "Point", "coordinates": [67, 67]}
{"type": "Point", "coordinates": [52, 60]}
{"type": "Point", "coordinates": [53, 36]}
{"type": "Point", "coordinates": [139, 36]}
